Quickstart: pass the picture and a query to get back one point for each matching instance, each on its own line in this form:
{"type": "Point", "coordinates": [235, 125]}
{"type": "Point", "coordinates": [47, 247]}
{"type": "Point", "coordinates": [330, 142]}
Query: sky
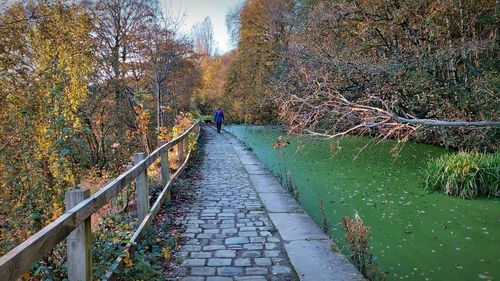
{"type": "Point", "coordinates": [196, 10]}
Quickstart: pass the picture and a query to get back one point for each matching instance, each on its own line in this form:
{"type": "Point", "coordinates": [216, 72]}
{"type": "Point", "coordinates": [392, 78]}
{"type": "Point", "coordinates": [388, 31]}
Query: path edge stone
{"type": "Point", "coordinates": [307, 247]}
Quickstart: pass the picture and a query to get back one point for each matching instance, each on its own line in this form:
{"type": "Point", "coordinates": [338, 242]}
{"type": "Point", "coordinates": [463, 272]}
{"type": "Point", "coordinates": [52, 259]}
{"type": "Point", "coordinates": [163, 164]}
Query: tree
{"type": "Point", "coordinates": [261, 42]}
{"type": "Point", "coordinates": [394, 71]}
{"type": "Point", "coordinates": [45, 59]}
{"type": "Point", "coordinates": [233, 22]}
{"type": "Point", "coordinates": [80, 84]}
{"type": "Point", "coordinates": [215, 75]}
{"type": "Point", "coordinates": [162, 57]}
{"type": "Point", "coordinates": [203, 37]}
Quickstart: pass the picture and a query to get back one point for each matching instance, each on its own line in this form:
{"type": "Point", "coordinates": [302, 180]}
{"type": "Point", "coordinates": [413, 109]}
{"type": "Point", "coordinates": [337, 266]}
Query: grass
{"type": "Point", "coordinates": [467, 175]}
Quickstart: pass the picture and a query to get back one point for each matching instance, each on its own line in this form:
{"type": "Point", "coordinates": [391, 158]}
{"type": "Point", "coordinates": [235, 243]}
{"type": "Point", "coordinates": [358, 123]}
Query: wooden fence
{"type": "Point", "coordinates": [74, 224]}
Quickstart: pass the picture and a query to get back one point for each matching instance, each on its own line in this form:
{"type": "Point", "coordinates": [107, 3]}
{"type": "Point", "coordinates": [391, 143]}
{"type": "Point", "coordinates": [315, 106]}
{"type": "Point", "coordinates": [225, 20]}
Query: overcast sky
{"type": "Point", "coordinates": [196, 11]}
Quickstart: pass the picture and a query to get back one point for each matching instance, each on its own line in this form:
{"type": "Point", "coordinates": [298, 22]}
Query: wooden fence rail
{"type": "Point", "coordinates": [76, 220]}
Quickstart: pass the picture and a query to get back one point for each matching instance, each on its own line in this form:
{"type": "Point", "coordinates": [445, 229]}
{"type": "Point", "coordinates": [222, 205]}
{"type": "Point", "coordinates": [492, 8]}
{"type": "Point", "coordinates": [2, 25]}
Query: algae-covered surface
{"type": "Point", "coordinates": [416, 234]}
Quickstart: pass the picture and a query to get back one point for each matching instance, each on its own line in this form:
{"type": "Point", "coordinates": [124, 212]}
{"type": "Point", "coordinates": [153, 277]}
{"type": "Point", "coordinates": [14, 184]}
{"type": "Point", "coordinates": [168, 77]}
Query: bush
{"type": "Point", "coordinates": [465, 174]}
{"type": "Point", "coordinates": [357, 235]}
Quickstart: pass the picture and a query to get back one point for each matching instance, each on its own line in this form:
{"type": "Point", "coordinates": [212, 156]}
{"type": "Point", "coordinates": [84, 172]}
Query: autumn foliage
{"type": "Point", "coordinates": [260, 43]}
{"type": "Point", "coordinates": [358, 65]}
{"type": "Point", "coordinates": [334, 68]}
{"type": "Point", "coordinates": [357, 236]}
{"type": "Point", "coordinates": [81, 88]}
{"type": "Point", "coordinates": [45, 60]}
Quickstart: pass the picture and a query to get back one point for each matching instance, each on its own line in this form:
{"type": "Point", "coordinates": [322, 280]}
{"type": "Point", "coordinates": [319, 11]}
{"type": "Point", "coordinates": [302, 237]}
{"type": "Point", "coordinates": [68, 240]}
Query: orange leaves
{"type": "Point", "coordinates": [57, 210]}
{"type": "Point", "coordinates": [127, 260]}
{"type": "Point", "coordinates": [142, 119]}
{"type": "Point", "coordinates": [262, 36]}
{"type": "Point", "coordinates": [357, 235]}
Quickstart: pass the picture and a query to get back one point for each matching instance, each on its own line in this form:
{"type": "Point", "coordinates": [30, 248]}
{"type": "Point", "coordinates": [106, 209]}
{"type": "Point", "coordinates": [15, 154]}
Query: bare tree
{"type": "Point", "coordinates": [203, 37]}
{"type": "Point", "coordinates": [119, 27]}
{"type": "Point", "coordinates": [165, 53]}
{"type": "Point", "coordinates": [233, 24]}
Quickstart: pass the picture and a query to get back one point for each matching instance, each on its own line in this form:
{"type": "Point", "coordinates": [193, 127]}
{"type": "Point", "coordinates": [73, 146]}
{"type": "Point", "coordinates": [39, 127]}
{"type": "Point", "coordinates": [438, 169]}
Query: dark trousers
{"type": "Point", "coordinates": [219, 125]}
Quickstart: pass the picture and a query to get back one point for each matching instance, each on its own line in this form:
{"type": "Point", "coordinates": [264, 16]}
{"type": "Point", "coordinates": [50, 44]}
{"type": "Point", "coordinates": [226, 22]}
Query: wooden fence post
{"type": "Point", "coordinates": [185, 145]}
{"type": "Point", "coordinates": [180, 152]}
{"type": "Point", "coordinates": [79, 243]}
{"type": "Point", "coordinates": [141, 188]}
{"type": "Point", "coordinates": [165, 170]}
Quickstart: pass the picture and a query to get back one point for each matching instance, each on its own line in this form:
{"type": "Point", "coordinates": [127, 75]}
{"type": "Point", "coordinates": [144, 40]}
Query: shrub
{"type": "Point", "coordinates": [465, 174]}
{"type": "Point", "coordinates": [357, 235]}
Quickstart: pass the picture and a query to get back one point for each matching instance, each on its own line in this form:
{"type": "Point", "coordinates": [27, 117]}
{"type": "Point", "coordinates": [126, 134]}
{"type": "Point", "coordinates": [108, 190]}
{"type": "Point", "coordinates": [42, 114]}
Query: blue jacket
{"type": "Point", "coordinates": [219, 116]}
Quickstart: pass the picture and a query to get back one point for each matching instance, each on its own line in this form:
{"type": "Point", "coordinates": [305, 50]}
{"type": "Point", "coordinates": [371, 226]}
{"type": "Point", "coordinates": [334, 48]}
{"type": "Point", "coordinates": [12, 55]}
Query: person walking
{"type": "Point", "coordinates": [218, 118]}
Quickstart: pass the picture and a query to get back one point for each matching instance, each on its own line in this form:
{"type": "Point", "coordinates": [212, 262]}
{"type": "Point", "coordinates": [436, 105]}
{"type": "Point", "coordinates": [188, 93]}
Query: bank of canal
{"type": "Point", "coordinates": [417, 234]}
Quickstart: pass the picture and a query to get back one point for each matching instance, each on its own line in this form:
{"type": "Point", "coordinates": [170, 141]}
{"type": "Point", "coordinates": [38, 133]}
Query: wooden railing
{"type": "Point", "coordinates": [74, 224]}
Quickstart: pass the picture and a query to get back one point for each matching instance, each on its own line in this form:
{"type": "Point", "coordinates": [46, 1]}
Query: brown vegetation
{"type": "Point", "coordinates": [402, 70]}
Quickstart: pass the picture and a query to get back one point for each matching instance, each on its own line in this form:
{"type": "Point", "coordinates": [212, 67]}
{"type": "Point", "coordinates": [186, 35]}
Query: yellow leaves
{"type": "Point", "coordinates": [18, 205]}
{"type": "Point", "coordinates": [166, 108]}
{"type": "Point", "coordinates": [60, 52]}
{"type": "Point", "coordinates": [26, 276]}
{"type": "Point", "coordinates": [362, 27]}
{"type": "Point", "coordinates": [164, 134]}
{"type": "Point", "coordinates": [49, 60]}
{"type": "Point", "coordinates": [126, 258]}
{"type": "Point", "coordinates": [116, 239]}
{"type": "Point", "coordinates": [142, 119]}
{"type": "Point", "coordinates": [57, 210]}
{"type": "Point", "coordinates": [166, 253]}
{"type": "Point", "coordinates": [127, 261]}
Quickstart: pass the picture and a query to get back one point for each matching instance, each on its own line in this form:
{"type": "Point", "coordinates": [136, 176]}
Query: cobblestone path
{"type": "Point", "coordinates": [229, 235]}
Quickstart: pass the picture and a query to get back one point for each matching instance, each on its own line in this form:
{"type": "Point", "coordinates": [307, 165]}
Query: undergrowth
{"type": "Point", "coordinates": [467, 175]}
{"type": "Point", "coordinates": [357, 235]}
{"type": "Point", "coordinates": [155, 256]}
{"type": "Point", "coordinates": [114, 224]}
{"type": "Point", "coordinates": [284, 174]}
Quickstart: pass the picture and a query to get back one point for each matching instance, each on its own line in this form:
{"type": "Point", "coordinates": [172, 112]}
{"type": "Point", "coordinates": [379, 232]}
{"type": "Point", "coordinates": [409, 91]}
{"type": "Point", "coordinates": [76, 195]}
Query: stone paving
{"type": "Point", "coordinates": [229, 235]}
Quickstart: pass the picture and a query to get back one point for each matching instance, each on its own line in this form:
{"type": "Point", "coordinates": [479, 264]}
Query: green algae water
{"type": "Point", "coordinates": [416, 234]}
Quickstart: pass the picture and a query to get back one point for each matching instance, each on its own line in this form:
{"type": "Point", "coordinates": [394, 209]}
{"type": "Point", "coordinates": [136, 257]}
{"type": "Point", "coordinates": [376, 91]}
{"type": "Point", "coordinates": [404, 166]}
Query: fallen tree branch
{"type": "Point", "coordinates": [442, 123]}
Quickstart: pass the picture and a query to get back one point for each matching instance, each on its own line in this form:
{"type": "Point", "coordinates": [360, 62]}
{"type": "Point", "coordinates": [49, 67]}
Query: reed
{"type": "Point", "coordinates": [357, 237]}
{"type": "Point", "coordinates": [467, 175]}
